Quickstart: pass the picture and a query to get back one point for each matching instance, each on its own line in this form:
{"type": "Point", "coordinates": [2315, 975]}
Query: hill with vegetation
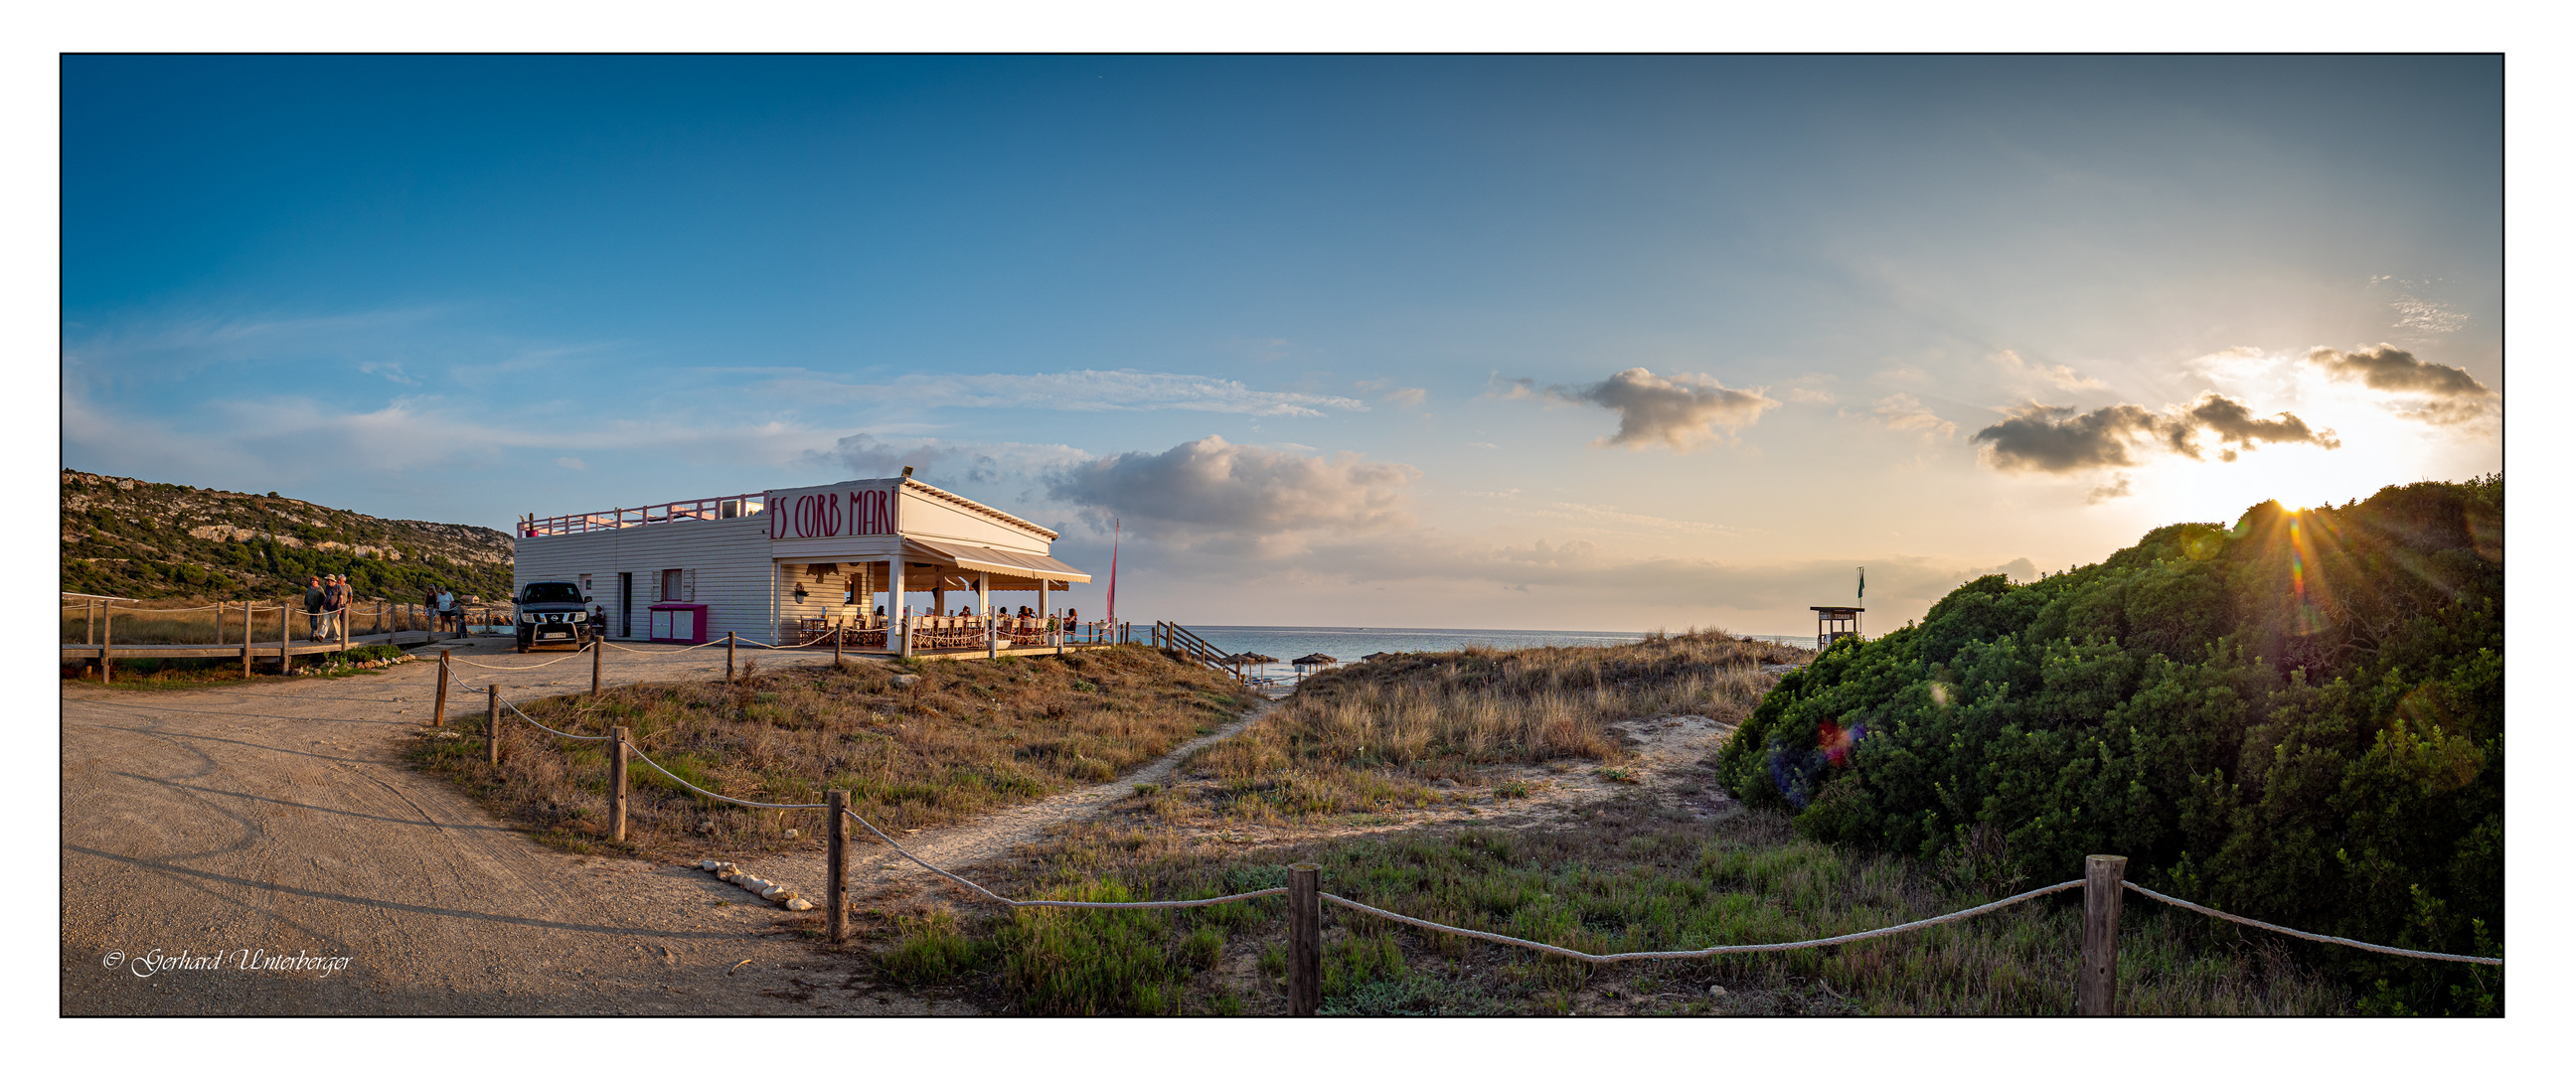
{"type": "Point", "coordinates": [2299, 718]}
{"type": "Point", "coordinates": [145, 540]}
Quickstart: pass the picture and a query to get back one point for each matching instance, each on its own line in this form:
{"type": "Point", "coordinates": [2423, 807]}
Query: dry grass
{"type": "Point", "coordinates": [1625, 876]}
{"type": "Point", "coordinates": [181, 622]}
{"type": "Point", "coordinates": [1371, 736]}
{"type": "Point", "coordinates": [1632, 872]}
{"type": "Point", "coordinates": [969, 737]}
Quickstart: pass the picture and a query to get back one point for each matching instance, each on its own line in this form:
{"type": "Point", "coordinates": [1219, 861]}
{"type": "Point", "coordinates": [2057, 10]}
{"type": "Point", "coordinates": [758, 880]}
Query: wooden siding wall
{"type": "Point", "coordinates": [731, 556]}
{"type": "Point", "coordinates": [924, 515]}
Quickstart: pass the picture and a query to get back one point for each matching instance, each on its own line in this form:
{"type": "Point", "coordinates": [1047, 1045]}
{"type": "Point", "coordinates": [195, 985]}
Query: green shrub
{"type": "Point", "coordinates": [1084, 962]}
{"type": "Point", "coordinates": [931, 951]}
{"type": "Point", "coordinates": [2299, 718]}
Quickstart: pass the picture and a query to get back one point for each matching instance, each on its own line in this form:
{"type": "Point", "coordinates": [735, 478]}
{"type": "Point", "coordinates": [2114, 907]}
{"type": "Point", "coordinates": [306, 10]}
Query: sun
{"type": "Point", "coordinates": [2376, 447]}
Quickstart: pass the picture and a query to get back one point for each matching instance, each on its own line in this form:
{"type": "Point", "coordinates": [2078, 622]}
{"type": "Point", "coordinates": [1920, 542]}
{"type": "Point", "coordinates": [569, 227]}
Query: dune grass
{"type": "Point", "coordinates": [179, 622]}
{"type": "Point", "coordinates": [1625, 876]}
{"type": "Point", "coordinates": [1621, 874]}
{"type": "Point", "coordinates": [966, 738]}
{"type": "Point", "coordinates": [1370, 737]}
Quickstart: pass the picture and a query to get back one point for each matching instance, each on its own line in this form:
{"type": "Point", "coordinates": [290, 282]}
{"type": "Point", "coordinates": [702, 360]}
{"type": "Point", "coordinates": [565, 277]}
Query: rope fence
{"type": "Point", "coordinates": [2310, 936]}
{"type": "Point", "coordinates": [2095, 982]}
{"type": "Point", "coordinates": [1670, 955]}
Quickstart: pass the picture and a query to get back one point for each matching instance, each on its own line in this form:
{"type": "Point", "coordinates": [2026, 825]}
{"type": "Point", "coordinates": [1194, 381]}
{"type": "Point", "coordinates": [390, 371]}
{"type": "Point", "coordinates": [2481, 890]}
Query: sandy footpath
{"type": "Point", "coordinates": [276, 817]}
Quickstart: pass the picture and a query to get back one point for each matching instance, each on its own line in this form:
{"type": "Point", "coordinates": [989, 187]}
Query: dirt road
{"type": "Point", "coordinates": [275, 819]}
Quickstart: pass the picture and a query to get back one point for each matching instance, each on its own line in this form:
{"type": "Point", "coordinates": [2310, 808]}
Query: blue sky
{"type": "Point", "coordinates": [1342, 341]}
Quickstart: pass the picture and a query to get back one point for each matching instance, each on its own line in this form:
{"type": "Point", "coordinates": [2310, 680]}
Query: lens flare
{"type": "Point", "coordinates": [1836, 742]}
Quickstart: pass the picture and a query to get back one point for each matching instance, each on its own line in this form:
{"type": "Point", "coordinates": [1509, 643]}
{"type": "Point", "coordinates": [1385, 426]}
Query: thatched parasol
{"type": "Point", "coordinates": [1312, 659]}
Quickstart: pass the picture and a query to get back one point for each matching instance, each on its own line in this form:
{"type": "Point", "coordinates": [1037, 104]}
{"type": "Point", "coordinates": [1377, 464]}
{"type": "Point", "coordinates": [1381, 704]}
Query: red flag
{"type": "Point", "coordinates": [1113, 569]}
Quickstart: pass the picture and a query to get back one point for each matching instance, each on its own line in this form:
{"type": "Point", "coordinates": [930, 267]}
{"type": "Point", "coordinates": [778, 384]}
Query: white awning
{"type": "Point", "coordinates": [995, 560]}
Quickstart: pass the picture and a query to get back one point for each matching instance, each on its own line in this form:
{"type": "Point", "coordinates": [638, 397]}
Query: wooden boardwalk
{"type": "Point", "coordinates": [259, 649]}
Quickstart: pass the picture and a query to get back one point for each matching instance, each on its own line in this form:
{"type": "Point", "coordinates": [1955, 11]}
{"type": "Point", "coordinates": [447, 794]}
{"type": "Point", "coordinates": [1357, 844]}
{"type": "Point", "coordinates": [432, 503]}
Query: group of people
{"type": "Point", "coordinates": [1027, 627]}
{"type": "Point", "coordinates": [327, 595]}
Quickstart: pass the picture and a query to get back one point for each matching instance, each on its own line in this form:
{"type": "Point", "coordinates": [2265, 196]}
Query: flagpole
{"type": "Point", "coordinates": [1113, 573]}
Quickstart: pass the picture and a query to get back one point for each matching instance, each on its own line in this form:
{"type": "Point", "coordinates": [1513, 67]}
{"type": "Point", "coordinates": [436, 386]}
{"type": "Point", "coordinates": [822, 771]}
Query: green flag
{"type": "Point", "coordinates": [1864, 584]}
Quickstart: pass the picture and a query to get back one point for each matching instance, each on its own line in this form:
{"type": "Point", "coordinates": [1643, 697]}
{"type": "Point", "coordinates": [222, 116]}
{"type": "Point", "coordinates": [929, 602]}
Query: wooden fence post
{"type": "Point", "coordinates": [617, 739]}
{"type": "Point", "coordinates": [2097, 980]}
{"type": "Point", "coordinates": [249, 614]}
{"type": "Point", "coordinates": [438, 710]}
{"type": "Point", "coordinates": [285, 638]}
{"type": "Point", "coordinates": [836, 865]}
{"type": "Point", "coordinates": [597, 646]}
{"type": "Point", "coordinates": [728, 655]}
{"type": "Point", "coordinates": [836, 648]}
{"type": "Point", "coordinates": [492, 720]}
{"type": "Point", "coordinates": [106, 641]}
{"type": "Point", "coordinates": [1305, 940]}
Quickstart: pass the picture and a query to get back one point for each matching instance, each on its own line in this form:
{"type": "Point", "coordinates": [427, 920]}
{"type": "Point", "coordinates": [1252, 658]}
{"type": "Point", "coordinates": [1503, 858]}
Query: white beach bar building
{"type": "Point", "coordinates": [787, 566]}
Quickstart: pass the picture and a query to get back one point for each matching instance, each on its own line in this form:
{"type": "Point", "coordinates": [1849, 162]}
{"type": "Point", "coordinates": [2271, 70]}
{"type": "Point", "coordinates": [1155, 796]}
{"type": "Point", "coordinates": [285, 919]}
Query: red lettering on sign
{"type": "Point", "coordinates": [872, 512]}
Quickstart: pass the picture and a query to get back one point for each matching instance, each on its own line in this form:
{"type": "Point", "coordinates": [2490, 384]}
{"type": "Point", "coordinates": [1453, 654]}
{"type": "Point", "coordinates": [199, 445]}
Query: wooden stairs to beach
{"type": "Point", "coordinates": [1174, 638]}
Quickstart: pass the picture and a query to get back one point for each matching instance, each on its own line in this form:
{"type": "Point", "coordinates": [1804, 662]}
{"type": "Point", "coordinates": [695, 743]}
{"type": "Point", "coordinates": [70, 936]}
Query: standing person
{"type": "Point", "coordinates": [447, 607]}
{"type": "Point", "coordinates": [313, 598]}
{"type": "Point", "coordinates": [332, 602]}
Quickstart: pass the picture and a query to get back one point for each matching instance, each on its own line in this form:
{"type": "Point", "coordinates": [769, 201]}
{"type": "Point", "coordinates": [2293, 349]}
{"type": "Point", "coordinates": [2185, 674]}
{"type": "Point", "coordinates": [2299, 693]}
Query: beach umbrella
{"type": "Point", "coordinates": [1375, 655]}
{"type": "Point", "coordinates": [1314, 659]}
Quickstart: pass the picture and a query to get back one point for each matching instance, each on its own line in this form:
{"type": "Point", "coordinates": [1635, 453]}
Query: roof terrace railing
{"type": "Point", "coordinates": [734, 506]}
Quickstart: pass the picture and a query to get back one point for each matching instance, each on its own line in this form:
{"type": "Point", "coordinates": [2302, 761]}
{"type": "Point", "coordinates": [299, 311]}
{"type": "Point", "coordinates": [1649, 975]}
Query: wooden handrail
{"type": "Point", "coordinates": [1174, 637]}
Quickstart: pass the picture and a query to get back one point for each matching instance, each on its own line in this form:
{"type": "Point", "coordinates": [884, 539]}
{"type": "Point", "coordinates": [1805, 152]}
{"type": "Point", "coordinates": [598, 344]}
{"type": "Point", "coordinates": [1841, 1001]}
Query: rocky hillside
{"type": "Point", "coordinates": [127, 537]}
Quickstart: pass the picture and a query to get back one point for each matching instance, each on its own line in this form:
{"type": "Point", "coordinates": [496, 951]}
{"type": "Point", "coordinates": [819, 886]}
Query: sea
{"type": "Point", "coordinates": [1349, 643]}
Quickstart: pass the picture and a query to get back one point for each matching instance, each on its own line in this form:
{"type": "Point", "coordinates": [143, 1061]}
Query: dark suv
{"type": "Point", "coordinates": [553, 612]}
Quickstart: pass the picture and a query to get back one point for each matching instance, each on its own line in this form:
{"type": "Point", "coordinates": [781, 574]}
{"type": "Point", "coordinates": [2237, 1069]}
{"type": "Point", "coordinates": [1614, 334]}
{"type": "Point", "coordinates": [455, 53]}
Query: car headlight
{"type": "Point", "coordinates": [527, 616]}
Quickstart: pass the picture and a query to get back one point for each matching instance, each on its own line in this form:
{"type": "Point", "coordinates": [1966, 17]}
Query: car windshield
{"type": "Point", "coordinates": [551, 592]}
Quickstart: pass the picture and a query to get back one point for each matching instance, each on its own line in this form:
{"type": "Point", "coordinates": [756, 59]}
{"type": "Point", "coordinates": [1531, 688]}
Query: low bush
{"type": "Point", "coordinates": [2299, 718]}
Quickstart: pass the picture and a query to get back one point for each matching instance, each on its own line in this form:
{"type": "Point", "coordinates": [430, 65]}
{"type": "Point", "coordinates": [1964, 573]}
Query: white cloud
{"type": "Point", "coordinates": [1083, 390]}
{"type": "Point", "coordinates": [1905, 413]}
{"type": "Point", "coordinates": [1684, 411]}
{"type": "Point", "coordinates": [942, 461]}
{"type": "Point", "coordinates": [2056, 376]}
{"type": "Point", "coordinates": [390, 370]}
{"type": "Point", "coordinates": [1236, 495]}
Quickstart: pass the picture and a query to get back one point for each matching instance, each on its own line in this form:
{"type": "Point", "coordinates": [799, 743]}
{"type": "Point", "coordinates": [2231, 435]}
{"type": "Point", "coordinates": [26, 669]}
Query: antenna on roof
{"type": "Point", "coordinates": [907, 472]}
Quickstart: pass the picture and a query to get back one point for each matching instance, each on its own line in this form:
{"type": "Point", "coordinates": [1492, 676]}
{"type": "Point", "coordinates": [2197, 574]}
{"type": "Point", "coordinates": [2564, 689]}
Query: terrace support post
{"type": "Point", "coordinates": [728, 655]}
{"type": "Point", "coordinates": [597, 646]}
{"type": "Point", "coordinates": [492, 723]}
{"type": "Point", "coordinates": [1046, 619]}
{"type": "Point", "coordinates": [2097, 980]}
{"type": "Point", "coordinates": [898, 639]}
{"type": "Point", "coordinates": [1305, 940]}
{"type": "Point", "coordinates": [618, 738]}
{"type": "Point", "coordinates": [438, 708]}
{"type": "Point", "coordinates": [984, 610]}
{"type": "Point", "coordinates": [836, 866]}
